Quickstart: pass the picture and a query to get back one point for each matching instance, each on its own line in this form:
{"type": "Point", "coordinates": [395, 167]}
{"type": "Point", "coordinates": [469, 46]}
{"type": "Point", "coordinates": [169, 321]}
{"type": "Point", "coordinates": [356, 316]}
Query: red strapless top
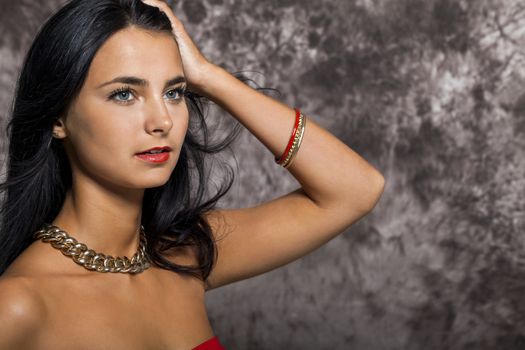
{"type": "Point", "coordinates": [210, 344]}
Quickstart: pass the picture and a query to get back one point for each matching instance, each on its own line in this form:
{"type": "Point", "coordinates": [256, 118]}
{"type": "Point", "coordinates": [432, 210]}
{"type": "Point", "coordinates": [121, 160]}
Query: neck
{"type": "Point", "coordinates": [106, 221]}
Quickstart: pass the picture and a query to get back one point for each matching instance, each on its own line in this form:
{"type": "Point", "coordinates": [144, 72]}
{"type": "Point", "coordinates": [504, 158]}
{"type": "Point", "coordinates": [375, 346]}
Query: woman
{"type": "Point", "coordinates": [104, 89]}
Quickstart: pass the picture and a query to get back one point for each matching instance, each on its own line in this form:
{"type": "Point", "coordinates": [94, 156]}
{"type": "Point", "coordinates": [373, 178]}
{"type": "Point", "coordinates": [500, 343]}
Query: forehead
{"type": "Point", "coordinates": [138, 52]}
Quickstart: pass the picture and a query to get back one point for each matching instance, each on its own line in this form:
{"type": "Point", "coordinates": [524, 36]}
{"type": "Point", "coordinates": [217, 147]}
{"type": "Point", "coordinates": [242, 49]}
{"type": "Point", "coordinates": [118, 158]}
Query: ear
{"type": "Point", "coordinates": [59, 129]}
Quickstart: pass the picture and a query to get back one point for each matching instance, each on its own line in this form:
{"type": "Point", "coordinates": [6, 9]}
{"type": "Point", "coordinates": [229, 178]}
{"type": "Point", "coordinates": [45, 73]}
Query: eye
{"type": "Point", "coordinates": [121, 95]}
{"type": "Point", "coordinates": [176, 94]}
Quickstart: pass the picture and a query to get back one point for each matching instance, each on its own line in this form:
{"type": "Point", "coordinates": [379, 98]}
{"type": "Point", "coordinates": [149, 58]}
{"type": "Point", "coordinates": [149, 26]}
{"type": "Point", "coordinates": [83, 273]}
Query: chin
{"type": "Point", "coordinates": [153, 182]}
{"type": "Point", "coordinates": [142, 180]}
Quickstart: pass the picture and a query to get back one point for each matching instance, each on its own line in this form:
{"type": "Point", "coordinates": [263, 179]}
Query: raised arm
{"type": "Point", "coordinates": [338, 187]}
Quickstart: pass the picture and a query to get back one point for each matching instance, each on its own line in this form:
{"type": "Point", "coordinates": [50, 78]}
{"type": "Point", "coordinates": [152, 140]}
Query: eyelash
{"type": "Point", "coordinates": [180, 90]}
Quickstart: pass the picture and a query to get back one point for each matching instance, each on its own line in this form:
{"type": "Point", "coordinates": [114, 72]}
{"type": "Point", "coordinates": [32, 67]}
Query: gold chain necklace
{"type": "Point", "coordinates": [90, 259]}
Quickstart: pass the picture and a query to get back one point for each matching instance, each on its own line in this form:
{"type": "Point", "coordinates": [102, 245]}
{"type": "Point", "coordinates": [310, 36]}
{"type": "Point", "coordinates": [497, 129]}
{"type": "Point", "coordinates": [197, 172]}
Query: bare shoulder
{"type": "Point", "coordinates": [21, 312]}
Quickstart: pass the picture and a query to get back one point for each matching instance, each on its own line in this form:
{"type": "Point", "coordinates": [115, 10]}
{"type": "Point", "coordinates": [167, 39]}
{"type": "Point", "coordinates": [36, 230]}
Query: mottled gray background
{"type": "Point", "coordinates": [431, 93]}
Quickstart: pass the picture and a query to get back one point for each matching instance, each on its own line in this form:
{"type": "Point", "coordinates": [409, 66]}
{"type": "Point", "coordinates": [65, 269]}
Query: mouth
{"type": "Point", "coordinates": [156, 150]}
{"type": "Point", "coordinates": [155, 154]}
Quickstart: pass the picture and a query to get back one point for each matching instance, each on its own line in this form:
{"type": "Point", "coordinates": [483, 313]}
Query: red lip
{"type": "Point", "coordinates": [164, 148]}
{"type": "Point", "coordinates": [160, 157]}
{"type": "Point", "coordinates": [154, 158]}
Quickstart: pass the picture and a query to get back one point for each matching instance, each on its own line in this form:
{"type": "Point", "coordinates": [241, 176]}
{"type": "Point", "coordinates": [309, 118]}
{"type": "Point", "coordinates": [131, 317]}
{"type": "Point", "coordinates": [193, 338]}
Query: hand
{"type": "Point", "coordinates": [194, 63]}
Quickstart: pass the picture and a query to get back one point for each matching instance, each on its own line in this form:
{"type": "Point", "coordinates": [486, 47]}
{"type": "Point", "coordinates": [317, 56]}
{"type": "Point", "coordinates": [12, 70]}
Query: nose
{"type": "Point", "coordinates": [158, 117]}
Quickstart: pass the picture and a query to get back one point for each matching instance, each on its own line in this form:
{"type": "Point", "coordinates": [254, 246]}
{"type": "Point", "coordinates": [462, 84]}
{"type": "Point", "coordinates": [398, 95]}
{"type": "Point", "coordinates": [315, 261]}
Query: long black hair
{"type": "Point", "coordinates": [38, 170]}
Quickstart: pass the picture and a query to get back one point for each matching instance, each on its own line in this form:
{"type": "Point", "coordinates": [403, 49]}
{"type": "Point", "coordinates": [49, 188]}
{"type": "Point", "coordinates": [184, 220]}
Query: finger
{"type": "Point", "coordinates": [161, 5]}
{"type": "Point", "coordinates": [154, 3]}
{"type": "Point", "coordinates": [157, 3]}
{"type": "Point", "coordinates": [177, 25]}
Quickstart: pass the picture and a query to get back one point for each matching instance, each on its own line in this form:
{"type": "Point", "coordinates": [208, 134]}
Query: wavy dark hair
{"type": "Point", "coordinates": [38, 170]}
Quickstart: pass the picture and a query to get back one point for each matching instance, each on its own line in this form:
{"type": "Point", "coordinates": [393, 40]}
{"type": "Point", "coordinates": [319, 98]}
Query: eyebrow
{"type": "Point", "coordinates": [142, 82]}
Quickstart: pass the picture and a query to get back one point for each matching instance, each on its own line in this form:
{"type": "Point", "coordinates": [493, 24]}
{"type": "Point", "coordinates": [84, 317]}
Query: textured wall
{"type": "Point", "coordinates": [430, 92]}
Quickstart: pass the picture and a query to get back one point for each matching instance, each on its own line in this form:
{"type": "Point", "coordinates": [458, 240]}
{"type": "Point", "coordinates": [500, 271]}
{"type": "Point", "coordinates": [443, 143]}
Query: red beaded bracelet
{"type": "Point", "coordinates": [281, 159]}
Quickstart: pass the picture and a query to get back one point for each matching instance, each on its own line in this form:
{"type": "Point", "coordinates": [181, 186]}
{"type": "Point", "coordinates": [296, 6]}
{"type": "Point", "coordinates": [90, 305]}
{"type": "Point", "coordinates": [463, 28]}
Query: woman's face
{"type": "Point", "coordinates": [131, 101]}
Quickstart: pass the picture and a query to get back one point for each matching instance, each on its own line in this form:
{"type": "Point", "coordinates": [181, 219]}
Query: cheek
{"type": "Point", "coordinates": [101, 145]}
{"type": "Point", "coordinates": [104, 152]}
{"type": "Point", "coordinates": [100, 130]}
{"type": "Point", "coordinates": [180, 118]}
{"type": "Point", "coordinates": [183, 124]}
